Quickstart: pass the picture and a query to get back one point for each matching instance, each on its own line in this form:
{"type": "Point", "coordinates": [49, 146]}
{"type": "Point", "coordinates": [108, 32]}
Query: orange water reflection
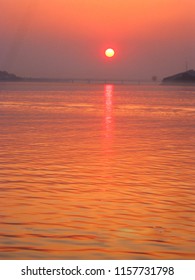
{"type": "Point", "coordinates": [84, 181]}
{"type": "Point", "coordinates": [108, 135]}
{"type": "Point", "coordinates": [108, 93]}
{"type": "Point", "coordinates": [108, 119]}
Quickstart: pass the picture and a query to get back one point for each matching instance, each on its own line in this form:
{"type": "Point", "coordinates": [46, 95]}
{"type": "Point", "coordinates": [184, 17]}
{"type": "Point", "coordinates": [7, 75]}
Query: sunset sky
{"type": "Point", "coordinates": [67, 38]}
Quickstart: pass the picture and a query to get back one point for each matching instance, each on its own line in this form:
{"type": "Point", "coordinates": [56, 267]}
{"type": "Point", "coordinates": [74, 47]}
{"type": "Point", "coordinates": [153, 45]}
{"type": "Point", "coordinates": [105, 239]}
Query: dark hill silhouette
{"type": "Point", "coordinates": [5, 76]}
{"type": "Point", "coordinates": [184, 77]}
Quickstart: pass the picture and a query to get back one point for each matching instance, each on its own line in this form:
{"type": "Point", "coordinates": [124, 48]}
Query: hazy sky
{"type": "Point", "coordinates": [67, 38]}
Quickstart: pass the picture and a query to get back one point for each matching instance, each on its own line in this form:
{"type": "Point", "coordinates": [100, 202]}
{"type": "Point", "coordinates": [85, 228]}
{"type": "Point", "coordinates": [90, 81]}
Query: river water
{"type": "Point", "coordinates": [97, 171]}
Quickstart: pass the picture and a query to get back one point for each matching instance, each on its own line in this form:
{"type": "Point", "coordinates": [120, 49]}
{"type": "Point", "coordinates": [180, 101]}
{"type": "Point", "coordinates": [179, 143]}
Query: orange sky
{"type": "Point", "coordinates": [66, 38]}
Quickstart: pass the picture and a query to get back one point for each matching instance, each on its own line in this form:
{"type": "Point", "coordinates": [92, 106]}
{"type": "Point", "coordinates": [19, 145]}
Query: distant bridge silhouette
{"type": "Point", "coordinates": [90, 81]}
{"type": "Point", "coordinates": [96, 81]}
{"type": "Point", "coordinates": [105, 81]}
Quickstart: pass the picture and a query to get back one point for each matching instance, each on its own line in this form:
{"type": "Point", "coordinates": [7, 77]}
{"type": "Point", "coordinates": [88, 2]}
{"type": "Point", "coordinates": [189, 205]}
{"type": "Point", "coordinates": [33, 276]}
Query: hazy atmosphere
{"type": "Point", "coordinates": [97, 163]}
{"type": "Point", "coordinates": [66, 38]}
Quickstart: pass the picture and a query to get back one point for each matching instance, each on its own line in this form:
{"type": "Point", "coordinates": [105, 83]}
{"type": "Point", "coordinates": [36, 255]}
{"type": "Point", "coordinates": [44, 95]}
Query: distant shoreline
{"type": "Point", "coordinates": [182, 79]}
{"type": "Point", "coordinates": [7, 77]}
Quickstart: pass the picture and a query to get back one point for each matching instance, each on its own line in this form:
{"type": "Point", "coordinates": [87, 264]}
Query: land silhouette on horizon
{"type": "Point", "coordinates": [183, 77]}
{"type": "Point", "coordinates": [5, 76]}
{"type": "Point", "coordinates": [187, 77]}
{"type": "Point", "coordinates": [9, 77]}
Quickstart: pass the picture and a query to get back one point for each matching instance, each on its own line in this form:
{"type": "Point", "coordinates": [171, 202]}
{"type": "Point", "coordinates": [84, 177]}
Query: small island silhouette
{"type": "Point", "coordinates": [187, 77]}
{"type": "Point", "coordinates": [5, 76]}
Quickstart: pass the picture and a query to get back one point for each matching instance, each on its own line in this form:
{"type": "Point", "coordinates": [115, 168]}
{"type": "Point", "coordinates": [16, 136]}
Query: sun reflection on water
{"type": "Point", "coordinates": [108, 93]}
{"type": "Point", "coordinates": [97, 173]}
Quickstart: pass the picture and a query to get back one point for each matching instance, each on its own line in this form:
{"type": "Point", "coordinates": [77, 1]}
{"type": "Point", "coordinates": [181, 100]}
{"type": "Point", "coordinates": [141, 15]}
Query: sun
{"type": "Point", "coordinates": [109, 52]}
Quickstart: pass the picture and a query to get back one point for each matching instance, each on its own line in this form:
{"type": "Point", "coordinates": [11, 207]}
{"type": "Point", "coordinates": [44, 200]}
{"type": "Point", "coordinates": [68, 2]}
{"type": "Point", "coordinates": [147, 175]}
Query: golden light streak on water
{"type": "Point", "coordinates": [94, 172]}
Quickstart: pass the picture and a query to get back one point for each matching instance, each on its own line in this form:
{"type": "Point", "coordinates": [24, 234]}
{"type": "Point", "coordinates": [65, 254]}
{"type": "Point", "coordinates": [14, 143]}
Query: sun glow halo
{"type": "Point", "coordinates": [109, 52]}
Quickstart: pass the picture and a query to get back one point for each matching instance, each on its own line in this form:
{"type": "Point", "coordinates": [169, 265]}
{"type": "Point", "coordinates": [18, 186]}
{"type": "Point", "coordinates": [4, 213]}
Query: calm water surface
{"type": "Point", "coordinates": [97, 172]}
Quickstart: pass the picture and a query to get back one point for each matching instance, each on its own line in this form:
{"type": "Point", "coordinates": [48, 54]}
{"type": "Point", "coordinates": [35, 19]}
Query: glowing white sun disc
{"type": "Point", "coordinates": [109, 52]}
